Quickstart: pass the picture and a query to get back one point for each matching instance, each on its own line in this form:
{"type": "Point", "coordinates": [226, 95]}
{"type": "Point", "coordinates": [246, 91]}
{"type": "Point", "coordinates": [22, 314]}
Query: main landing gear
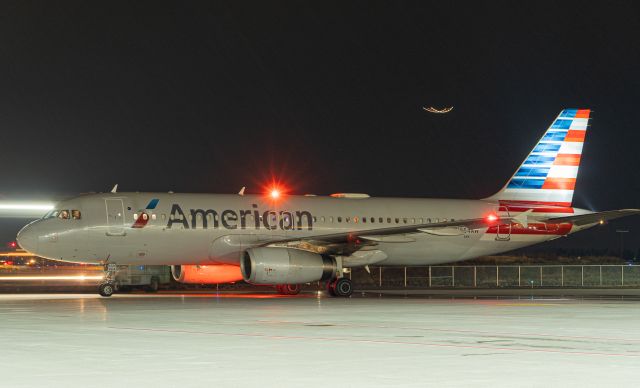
{"type": "Point", "coordinates": [340, 287]}
{"type": "Point", "coordinates": [108, 286]}
{"type": "Point", "coordinates": [288, 289]}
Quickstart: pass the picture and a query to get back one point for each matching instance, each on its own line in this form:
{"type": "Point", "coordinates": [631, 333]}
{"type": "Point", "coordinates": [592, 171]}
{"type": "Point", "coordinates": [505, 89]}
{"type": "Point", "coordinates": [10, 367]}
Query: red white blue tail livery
{"type": "Point", "coordinates": [548, 174]}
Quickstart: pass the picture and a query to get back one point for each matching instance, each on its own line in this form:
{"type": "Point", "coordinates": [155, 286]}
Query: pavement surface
{"type": "Point", "coordinates": [373, 339]}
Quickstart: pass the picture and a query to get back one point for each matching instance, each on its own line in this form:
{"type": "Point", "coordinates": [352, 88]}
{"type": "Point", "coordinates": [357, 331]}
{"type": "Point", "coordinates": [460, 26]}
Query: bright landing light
{"type": "Point", "coordinates": [26, 206]}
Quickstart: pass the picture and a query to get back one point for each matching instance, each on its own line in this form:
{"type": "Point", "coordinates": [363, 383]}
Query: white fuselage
{"type": "Point", "coordinates": [209, 228]}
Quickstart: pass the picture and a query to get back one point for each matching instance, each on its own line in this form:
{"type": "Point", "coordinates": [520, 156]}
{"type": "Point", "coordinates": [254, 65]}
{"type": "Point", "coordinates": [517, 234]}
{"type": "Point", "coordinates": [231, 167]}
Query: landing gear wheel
{"type": "Point", "coordinates": [153, 285]}
{"type": "Point", "coordinates": [106, 289]}
{"type": "Point", "coordinates": [340, 287]}
{"type": "Point", "coordinates": [288, 289]}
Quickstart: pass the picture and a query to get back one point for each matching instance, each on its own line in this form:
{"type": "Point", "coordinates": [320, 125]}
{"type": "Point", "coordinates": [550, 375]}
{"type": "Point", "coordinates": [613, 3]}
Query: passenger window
{"type": "Point", "coordinates": [397, 220]}
{"type": "Point", "coordinates": [145, 217]}
{"type": "Point", "coordinates": [373, 219]}
{"type": "Point", "coordinates": [428, 220]}
{"type": "Point", "coordinates": [420, 220]}
{"type": "Point", "coordinates": [315, 219]}
{"type": "Point", "coordinates": [135, 216]}
{"type": "Point", "coordinates": [75, 214]}
{"type": "Point", "coordinates": [331, 219]}
{"type": "Point", "coordinates": [64, 214]}
{"type": "Point", "coordinates": [364, 219]}
{"type": "Point", "coordinates": [339, 219]}
{"type": "Point", "coordinates": [347, 219]}
{"type": "Point", "coordinates": [153, 217]}
{"type": "Point", "coordinates": [388, 220]}
{"type": "Point", "coordinates": [322, 219]}
{"type": "Point", "coordinates": [413, 220]}
{"type": "Point", "coordinates": [404, 220]}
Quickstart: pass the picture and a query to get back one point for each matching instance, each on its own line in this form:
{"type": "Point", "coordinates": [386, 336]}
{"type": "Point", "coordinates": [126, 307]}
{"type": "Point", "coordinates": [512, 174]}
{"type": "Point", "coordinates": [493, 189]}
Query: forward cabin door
{"type": "Point", "coordinates": [115, 216]}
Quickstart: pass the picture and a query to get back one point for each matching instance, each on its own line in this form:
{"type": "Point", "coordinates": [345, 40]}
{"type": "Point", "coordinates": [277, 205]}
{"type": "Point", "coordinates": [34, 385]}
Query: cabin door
{"type": "Point", "coordinates": [115, 216]}
{"type": "Point", "coordinates": [503, 232]}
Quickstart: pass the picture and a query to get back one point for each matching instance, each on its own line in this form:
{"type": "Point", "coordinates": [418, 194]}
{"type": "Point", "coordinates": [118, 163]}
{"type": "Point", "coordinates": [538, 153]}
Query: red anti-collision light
{"type": "Point", "coordinates": [492, 218]}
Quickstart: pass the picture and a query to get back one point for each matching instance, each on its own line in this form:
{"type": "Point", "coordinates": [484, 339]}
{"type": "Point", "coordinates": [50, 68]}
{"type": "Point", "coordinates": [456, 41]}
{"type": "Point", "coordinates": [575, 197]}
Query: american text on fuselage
{"type": "Point", "coordinates": [231, 219]}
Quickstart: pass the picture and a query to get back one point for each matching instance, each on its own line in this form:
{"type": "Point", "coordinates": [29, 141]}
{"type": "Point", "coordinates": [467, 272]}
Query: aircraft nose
{"type": "Point", "coordinates": [27, 239]}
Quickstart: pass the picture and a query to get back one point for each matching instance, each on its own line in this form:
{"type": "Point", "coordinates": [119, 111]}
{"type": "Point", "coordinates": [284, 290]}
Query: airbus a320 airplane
{"type": "Point", "coordinates": [287, 240]}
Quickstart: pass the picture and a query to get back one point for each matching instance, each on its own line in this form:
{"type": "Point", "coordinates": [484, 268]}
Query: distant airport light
{"type": "Point", "coordinates": [26, 206]}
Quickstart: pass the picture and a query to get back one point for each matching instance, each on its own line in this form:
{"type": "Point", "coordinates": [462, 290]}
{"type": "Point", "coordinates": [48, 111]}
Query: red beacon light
{"type": "Point", "coordinates": [492, 218]}
{"type": "Point", "coordinates": [12, 244]}
{"type": "Point", "coordinates": [274, 194]}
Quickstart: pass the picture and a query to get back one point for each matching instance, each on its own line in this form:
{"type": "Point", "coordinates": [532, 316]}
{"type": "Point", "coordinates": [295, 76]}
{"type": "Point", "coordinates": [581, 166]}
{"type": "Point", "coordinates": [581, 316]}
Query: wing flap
{"type": "Point", "coordinates": [394, 234]}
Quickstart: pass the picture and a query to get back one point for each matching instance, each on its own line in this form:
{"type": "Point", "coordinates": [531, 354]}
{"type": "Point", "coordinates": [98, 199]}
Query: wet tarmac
{"type": "Point", "coordinates": [370, 340]}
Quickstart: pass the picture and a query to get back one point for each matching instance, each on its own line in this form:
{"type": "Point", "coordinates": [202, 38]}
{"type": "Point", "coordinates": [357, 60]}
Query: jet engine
{"type": "Point", "coordinates": [285, 266]}
{"type": "Point", "coordinates": [206, 274]}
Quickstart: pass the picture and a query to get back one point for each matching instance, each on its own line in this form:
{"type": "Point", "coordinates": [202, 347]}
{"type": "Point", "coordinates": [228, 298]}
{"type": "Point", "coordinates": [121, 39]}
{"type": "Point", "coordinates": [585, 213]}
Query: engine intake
{"type": "Point", "coordinates": [285, 266]}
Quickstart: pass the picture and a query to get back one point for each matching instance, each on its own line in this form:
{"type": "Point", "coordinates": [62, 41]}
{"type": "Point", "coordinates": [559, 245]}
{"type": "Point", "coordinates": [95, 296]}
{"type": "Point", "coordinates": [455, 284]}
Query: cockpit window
{"type": "Point", "coordinates": [75, 214]}
{"type": "Point", "coordinates": [64, 214]}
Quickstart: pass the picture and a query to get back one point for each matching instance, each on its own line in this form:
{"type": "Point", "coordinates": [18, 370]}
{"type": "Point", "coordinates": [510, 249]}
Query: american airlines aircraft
{"type": "Point", "coordinates": [288, 240]}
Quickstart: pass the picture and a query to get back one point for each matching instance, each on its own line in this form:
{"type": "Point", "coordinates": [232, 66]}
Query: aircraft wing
{"type": "Point", "coordinates": [594, 218]}
{"type": "Point", "coordinates": [347, 241]}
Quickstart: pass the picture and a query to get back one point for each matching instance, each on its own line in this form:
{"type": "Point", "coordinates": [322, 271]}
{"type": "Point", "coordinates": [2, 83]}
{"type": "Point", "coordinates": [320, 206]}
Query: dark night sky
{"type": "Point", "coordinates": [327, 96]}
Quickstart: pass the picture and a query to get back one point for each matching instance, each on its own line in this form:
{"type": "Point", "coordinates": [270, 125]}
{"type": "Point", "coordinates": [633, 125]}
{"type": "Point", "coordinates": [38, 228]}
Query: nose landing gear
{"type": "Point", "coordinates": [108, 287]}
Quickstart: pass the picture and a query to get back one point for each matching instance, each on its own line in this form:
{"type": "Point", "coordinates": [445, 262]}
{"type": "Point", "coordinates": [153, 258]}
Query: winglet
{"type": "Point", "coordinates": [241, 192]}
{"type": "Point", "coordinates": [115, 189]}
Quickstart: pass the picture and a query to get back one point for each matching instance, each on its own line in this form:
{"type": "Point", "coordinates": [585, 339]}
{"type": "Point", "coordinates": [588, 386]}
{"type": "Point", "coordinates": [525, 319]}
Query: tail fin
{"type": "Point", "coordinates": [548, 175]}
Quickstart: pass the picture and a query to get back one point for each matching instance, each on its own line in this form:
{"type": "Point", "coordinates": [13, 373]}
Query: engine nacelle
{"type": "Point", "coordinates": [285, 266]}
{"type": "Point", "coordinates": [206, 274]}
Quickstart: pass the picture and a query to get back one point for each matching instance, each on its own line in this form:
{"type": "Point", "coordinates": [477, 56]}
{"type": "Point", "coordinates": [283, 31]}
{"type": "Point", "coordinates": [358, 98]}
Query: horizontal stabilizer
{"type": "Point", "coordinates": [594, 218]}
